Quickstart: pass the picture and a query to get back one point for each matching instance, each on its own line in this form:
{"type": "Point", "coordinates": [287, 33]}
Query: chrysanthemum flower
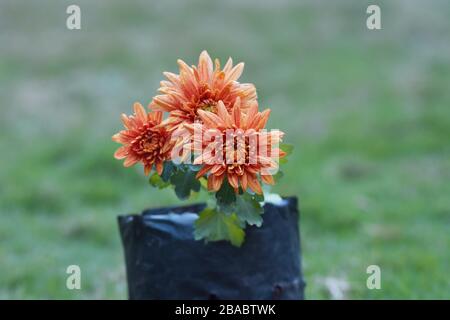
{"type": "Point", "coordinates": [249, 153]}
{"type": "Point", "coordinates": [144, 140]}
{"type": "Point", "coordinates": [201, 88]}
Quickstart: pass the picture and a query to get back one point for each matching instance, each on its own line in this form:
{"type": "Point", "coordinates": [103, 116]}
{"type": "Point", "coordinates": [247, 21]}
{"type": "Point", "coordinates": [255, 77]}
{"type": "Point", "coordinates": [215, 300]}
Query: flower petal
{"type": "Point", "coordinates": [244, 181]}
{"type": "Point", "coordinates": [159, 167]}
{"type": "Point", "coordinates": [156, 116]}
{"type": "Point", "coordinates": [215, 182]}
{"type": "Point", "coordinates": [253, 183]}
{"type": "Point", "coordinates": [267, 179]}
{"type": "Point", "coordinates": [218, 169]}
{"type": "Point", "coordinates": [233, 180]}
{"type": "Point", "coordinates": [222, 112]}
{"type": "Point", "coordinates": [205, 66]}
{"type": "Point", "coordinates": [130, 161]}
{"type": "Point", "coordinates": [140, 111]}
{"type": "Point", "coordinates": [235, 73]}
{"type": "Point", "coordinates": [210, 119]}
{"type": "Point", "coordinates": [203, 171]}
{"type": "Point", "coordinates": [236, 113]}
{"type": "Point", "coordinates": [121, 153]}
{"type": "Point", "coordinates": [147, 169]}
{"type": "Point", "coordinates": [228, 65]}
{"type": "Point", "coordinates": [262, 122]}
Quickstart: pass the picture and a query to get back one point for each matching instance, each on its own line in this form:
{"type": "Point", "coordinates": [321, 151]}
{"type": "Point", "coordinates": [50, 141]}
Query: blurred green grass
{"type": "Point", "coordinates": [368, 112]}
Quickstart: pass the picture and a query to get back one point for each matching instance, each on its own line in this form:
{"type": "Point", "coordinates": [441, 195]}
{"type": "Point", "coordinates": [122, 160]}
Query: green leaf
{"type": "Point", "coordinates": [254, 195]}
{"type": "Point", "coordinates": [211, 203]}
{"type": "Point", "coordinates": [203, 183]}
{"type": "Point", "coordinates": [156, 181]}
{"type": "Point", "coordinates": [249, 210]}
{"type": "Point", "coordinates": [194, 167]}
{"type": "Point", "coordinates": [278, 176]}
{"type": "Point", "coordinates": [259, 197]}
{"type": "Point", "coordinates": [226, 198]}
{"type": "Point", "coordinates": [288, 148]}
{"type": "Point", "coordinates": [214, 226]}
{"type": "Point", "coordinates": [184, 182]}
{"type": "Point", "coordinates": [169, 168]}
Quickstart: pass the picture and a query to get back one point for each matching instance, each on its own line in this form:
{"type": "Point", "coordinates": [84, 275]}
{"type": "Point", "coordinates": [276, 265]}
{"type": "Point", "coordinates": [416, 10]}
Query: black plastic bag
{"type": "Point", "coordinates": [163, 261]}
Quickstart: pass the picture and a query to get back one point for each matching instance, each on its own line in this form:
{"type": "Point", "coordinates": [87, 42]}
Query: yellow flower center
{"type": "Point", "coordinates": [208, 105]}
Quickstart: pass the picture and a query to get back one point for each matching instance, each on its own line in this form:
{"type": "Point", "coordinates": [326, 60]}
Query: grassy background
{"type": "Point", "coordinates": [368, 112]}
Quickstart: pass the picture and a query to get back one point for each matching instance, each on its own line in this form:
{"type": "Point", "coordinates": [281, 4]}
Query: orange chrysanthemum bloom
{"type": "Point", "coordinates": [144, 140]}
{"type": "Point", "coordinates": [239, 158]}
{"type": "Point", "coordinates": [201, 88]}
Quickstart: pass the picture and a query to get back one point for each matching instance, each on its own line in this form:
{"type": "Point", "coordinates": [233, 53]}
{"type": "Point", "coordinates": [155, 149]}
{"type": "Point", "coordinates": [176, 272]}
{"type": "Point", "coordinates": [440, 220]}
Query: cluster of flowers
{"type": "Point", "coordinates": [213, 123]}
{"type": "Point", "coordinates": [209, 111]}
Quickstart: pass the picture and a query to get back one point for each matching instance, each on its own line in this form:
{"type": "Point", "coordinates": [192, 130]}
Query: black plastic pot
{"type": "Point", "coordinates": [163, 261]}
